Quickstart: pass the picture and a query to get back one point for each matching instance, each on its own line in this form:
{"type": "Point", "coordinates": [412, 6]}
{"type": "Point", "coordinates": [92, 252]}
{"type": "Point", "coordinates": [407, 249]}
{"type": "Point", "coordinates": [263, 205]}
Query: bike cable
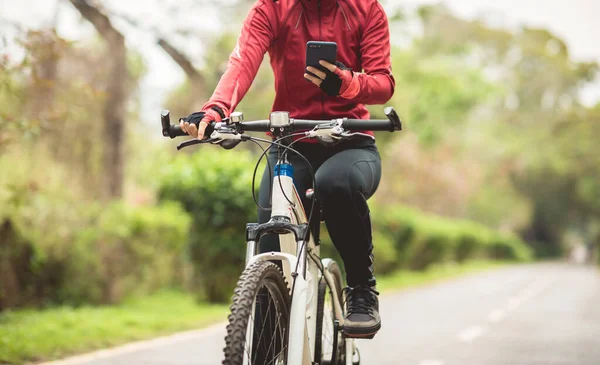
{"type": "Point", "coordinates": [288, 148]}
{"type": "Point", "coordinates": [260, 207]}
{"type": "Point", "coordinates": [265, 150]}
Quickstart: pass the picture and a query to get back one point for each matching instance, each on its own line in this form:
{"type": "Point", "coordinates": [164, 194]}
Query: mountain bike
{"type": "Point", "coordinates": [288, 306]}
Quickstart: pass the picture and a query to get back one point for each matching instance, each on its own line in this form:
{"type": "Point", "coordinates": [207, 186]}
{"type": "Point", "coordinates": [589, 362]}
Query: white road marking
{"type": "Point", "coordinates": [470, 334]}
{"type": "Point", "coordinates": [431, 362]}
{"type": "Point", "coordinates": [513, 303]}
{"type": "Point", "coordinates": [527, 294]}
{"type": "Point", "coordinates": [496, 315]}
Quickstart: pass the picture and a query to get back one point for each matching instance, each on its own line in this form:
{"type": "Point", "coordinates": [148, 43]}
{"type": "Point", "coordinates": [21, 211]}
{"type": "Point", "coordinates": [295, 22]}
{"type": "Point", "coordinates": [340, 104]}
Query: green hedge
{"type": "Point", "coordinates": [58, 251]}
{"type": "Point", "coordinates": [126, 250]}
{"type": "Point", "coordinates": [214, 187]}
{"type": "Point", "coordinates": [420, 240]}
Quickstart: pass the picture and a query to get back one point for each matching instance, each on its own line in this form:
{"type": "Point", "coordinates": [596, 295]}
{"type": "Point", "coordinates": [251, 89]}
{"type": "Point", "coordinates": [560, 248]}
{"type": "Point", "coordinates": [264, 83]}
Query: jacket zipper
{"type": "Point", "coordinates": [345, 17]}
{"type": "Point", "coordinates": [321, 38]}
{"type": "Point", "coordinates": [320, 30]}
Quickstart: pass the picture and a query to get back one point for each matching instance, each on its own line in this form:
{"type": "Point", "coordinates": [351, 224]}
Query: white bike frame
{"type": "Point", "coordinates": [295, 254]}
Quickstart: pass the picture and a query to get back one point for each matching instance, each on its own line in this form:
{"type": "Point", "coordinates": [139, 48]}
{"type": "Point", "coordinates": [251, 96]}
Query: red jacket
{"type": "Point", "coordinates": [282, 28]}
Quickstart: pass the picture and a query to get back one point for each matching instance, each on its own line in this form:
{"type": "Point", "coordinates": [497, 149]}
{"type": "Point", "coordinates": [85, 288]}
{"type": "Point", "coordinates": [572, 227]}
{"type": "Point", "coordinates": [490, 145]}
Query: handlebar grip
{"type": "Point", "coordinates": [174, 130]}
{"type": "Point", "coordinates": [393, 123]}
{"type": "Point", "coordinates": [367, 125]}
{"type": "Point", "coordinates": [169, 130]}
{"type": "Point", "coordinates": [394, 118]}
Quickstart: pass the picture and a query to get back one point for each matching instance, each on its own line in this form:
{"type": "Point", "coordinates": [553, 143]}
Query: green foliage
{"type": "Point", "coordinates": [420, 240]}
{"type": "Point", "coordinates": [435, 273]}
{"type": "Point", "coordinates": [384, 253]}
{"type": "Point", "coordinates": [213, 186]}
{"type": "Point", "coordinates": [12, 95]}
{"type": "Point", "coordinates": [126, 250]}
{"type": "Point", "coordinates": [508, 247]}
{"type": "Point", "coordinates": [513, 210]}
{"type": "Point", "coordinates": [437, 93]}
{"type": "Point", "coordinates": [55, 248]}
{"type": "Point", "coordinates": [529, 135]}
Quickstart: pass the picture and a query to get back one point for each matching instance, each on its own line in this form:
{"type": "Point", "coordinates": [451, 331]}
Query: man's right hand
{"type": "Point", "coordinates": [195, 124]}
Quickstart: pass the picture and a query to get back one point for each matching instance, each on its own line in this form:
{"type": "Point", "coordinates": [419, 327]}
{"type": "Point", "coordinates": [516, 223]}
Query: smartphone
{"type": "Point", "coordinates": [317, 51]}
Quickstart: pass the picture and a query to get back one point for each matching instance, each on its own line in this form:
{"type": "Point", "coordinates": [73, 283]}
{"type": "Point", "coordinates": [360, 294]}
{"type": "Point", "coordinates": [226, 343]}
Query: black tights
{"type": "Point", "coordinates": [346, 176]}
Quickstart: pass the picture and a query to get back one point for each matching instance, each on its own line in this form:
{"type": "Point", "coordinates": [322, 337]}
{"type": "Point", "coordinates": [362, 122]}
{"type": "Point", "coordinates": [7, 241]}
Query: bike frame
{"type": "Point", "coordinates": [298, 253]}
{"type": "Point", "coordinates": [289, 220]}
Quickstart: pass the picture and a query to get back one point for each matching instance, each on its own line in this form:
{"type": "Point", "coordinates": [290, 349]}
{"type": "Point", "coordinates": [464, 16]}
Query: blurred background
{"type": "Point", "coordinates": [103, 225]}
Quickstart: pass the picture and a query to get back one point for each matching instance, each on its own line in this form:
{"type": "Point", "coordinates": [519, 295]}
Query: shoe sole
{"type": "Point", "coordinates": [364, 333]}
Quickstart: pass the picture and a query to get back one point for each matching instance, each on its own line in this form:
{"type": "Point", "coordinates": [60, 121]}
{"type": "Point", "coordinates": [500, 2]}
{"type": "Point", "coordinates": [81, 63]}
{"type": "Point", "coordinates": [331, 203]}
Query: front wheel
{"type": "Point", "coordinates": [330, 344]}
{"type": "Point", "coordinates": [258, 326]}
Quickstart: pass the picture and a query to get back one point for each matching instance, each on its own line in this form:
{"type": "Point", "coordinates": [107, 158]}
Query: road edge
{"type": "Point", "coordinates": [139, 345]}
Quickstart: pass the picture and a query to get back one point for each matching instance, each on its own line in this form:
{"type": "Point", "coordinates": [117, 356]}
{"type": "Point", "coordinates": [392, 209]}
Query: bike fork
{"type": "Point", "coordinates": [298, 353]}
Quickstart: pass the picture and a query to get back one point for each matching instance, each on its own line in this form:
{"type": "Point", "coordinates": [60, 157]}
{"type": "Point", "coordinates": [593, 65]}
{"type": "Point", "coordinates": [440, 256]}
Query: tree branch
{"type": "Point", "coordinates": [182, 61]}
{"type": "Point", "coordinates": [99, 20]}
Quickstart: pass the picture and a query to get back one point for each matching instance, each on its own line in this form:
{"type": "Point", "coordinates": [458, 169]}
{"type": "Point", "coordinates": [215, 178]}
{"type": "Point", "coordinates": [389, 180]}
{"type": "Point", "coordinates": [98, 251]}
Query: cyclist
{"type": "Point", "coordinates": [348, 173]}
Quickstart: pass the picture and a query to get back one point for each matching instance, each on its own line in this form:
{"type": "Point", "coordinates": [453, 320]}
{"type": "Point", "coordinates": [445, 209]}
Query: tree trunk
{"type": "Point", "coordinates": [114, 109]}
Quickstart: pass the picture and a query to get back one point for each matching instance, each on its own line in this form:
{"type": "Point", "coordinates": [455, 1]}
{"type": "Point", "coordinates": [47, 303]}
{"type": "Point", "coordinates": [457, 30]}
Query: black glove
{"type": "Point", "coordinates": [333, 83]}
{"type": "Point", "coordinates": [193, 118]}
{"type": "Point", "coordinates": [196, 118]}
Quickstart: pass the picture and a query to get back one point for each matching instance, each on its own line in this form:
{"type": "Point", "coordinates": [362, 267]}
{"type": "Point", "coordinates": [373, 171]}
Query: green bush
{"type": "Point", "coordinates": [508, 247]}
{"type": "Point", "coordinates": [384, 253]}
{"type": "Point", "coordinates": [421, 239]}
{"type": "Point", "coordinates": [435, 241]}
{"type": "Point", "coordinates": [57, 250]}
{"type": "Point", "coordinates": [213, 186]}
{"type": "Point", "coordinates": [126, 251]}
{"type": "Point", "coordinates": [399, 225]}
{"type": "Point", "coordinates": [466, 246]}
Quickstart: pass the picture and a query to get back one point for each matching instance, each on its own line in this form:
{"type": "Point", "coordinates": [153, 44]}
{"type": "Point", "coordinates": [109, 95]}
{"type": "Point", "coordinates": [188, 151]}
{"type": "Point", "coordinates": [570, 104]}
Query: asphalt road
{"type": "Point", "coordinates": [542, 314]}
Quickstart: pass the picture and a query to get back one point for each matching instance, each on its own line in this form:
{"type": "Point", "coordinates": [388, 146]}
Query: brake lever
{"type": "Point", "coordinates": [195, 141]}
{"type": "Point", "coordinates": [330, 129]}
{"type": "Point", "coordinates": [356, 134]}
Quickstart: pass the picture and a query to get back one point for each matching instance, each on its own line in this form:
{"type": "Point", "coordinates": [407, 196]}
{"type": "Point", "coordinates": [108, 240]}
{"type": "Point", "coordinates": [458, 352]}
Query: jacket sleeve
{"type": "Point", "coordinates": [258, 33]}
{"type": "Point", "coordinates": [376, 82]}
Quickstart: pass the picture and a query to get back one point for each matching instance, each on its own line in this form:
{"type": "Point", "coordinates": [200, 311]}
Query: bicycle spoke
{"type": "Point", "coordinates": [266, 314]}
{"type": "Point", "coordinates": [284, 345]}
{"type": "Point", "coordinates": [265, 303]}
{"type": "Point", "coordinates": [273, 340]}
{"type": "Point", "coordinates": [327, 337]}
{"type": "Point", "coordinates": [271, 318]}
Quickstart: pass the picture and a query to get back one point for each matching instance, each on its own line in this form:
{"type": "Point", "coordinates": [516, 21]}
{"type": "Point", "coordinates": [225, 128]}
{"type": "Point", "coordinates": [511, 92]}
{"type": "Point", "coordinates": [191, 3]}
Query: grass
{"type": "Point", "coordinates": [32, 335]}
{"type": "Point", "coordinates": [406, 279]}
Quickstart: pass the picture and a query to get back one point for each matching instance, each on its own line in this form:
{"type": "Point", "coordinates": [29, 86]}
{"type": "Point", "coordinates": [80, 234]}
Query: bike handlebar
{"type": "Point", "coordinates": [393, 123]}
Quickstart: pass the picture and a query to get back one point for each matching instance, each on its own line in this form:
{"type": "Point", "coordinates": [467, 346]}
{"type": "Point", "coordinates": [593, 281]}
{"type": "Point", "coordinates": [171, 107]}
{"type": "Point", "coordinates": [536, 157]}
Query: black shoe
{"type": "Point", "coordinates": [362, 312]}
